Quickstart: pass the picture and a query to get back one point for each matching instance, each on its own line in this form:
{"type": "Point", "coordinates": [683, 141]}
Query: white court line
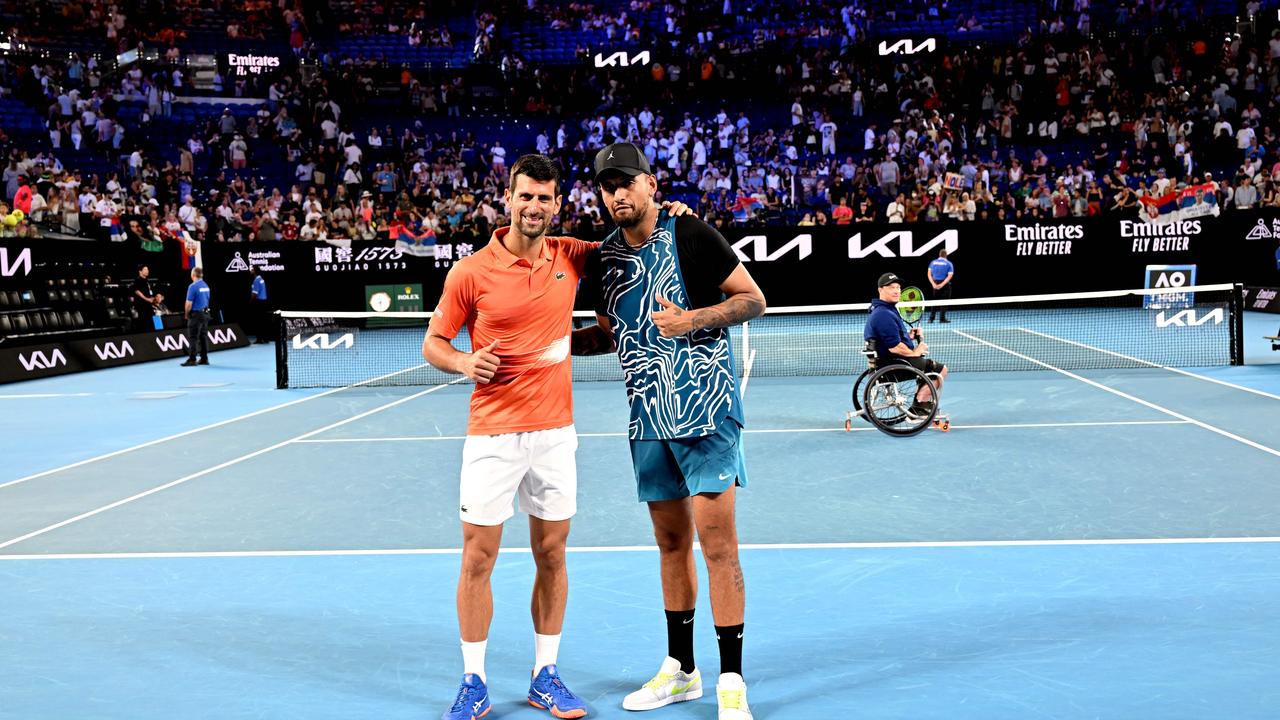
{"type": "Point", "coordinates": [1127, 396]}
{"type": "Point", "coordinates": [220, 423]}
{"type": "Point", "coordinates": [746, 370]}
{"type": "Point", "coordinates": [1154, 365]}
{"type": "Point", "coordinates": [43, 395]}
{"type": "Point", "coordinates": [771, 431]}
{"type": "Point", "coordinates": [228, 463]}
{"type": "Point", "coordinates": [653, 548]}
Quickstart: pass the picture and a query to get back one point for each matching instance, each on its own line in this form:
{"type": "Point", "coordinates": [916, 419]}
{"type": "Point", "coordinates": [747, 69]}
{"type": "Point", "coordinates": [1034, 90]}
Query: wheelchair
{"type": "Point", "coordinates": [885, 397]}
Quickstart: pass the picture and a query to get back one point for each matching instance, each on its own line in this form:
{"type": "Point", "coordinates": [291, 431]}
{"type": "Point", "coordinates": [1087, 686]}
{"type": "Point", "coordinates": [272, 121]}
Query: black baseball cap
{"type": "Point", "coordinates": [623, 157]}
{"type": "Point", "coordinates": [888, 279]}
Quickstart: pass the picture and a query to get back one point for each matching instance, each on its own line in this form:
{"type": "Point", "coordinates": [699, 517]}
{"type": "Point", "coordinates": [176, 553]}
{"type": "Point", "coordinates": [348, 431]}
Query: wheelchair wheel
{"type": "Point", "coordinates": [857, 391]}
{"type": "Point", "coordinates": [889, 400]}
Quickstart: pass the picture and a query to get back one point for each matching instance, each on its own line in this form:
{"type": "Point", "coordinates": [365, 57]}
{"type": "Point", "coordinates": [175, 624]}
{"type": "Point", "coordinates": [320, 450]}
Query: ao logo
{"type": "Point", "coordinates": [39, 361]}
{"type": "Point", "coordinates": [321, 341]}
{"type": "Point", "coordinates": [1171, 279]}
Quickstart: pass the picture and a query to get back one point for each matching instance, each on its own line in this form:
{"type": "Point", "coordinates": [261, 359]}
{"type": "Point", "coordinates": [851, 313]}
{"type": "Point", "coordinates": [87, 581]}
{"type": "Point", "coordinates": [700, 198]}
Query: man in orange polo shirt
{"type": "Point", "coordinates": [515, 296]}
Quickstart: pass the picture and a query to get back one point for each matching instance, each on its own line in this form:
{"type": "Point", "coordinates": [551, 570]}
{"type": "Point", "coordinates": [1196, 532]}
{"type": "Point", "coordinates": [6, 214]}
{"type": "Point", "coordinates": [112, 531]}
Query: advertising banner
{"type": "Point", "coordinates": [822, 265]}
{"type": "Point", "coordinates": [1262, 299]}
{"type": "Point", "coordinates": [37, 361]}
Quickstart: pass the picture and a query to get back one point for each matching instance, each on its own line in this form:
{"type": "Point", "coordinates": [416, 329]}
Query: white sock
{"type": "Point", "coordinates": [473, 658]}
{"type": "Point", "coordinates": [545, 649]}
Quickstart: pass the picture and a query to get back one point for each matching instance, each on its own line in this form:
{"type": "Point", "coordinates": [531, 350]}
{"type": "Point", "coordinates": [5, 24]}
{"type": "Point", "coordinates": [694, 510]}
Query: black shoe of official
{"type": "Point", "coordinates": [203, 361]}
{"type": "Point", "coordinates": [189, 362]}
{"type": "Point", "coordinates": [945, 320]}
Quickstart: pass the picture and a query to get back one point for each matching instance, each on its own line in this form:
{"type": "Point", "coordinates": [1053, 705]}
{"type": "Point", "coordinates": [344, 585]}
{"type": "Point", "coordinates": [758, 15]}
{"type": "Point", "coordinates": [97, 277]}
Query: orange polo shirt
{"type": "Point", "coordinates": [528, 308]}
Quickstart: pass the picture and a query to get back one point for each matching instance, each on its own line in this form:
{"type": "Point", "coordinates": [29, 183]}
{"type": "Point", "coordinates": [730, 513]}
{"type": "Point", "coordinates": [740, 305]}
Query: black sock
{"type": "Point", "coordinates": [680, 638]}
{"type": "Point", "coordinates": [730, 639]}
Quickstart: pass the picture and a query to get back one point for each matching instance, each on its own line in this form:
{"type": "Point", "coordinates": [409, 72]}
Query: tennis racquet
{"type": "Point", "coordinates": [911, 307]}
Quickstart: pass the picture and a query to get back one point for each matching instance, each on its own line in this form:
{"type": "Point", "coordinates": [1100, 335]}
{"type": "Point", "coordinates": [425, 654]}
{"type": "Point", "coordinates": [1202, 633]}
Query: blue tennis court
{"type": "Point", "coordinates": [1087, 543]}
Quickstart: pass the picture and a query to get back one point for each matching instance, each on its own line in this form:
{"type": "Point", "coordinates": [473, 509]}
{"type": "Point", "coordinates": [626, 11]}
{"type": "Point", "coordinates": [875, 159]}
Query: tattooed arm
{"type": "Point", "coordinates": [745, 302]}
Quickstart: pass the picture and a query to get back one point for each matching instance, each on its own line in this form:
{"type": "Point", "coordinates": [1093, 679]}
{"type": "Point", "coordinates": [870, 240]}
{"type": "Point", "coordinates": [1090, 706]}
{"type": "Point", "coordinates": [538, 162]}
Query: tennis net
{"type": "Point", "coordinates": [1183, 327]}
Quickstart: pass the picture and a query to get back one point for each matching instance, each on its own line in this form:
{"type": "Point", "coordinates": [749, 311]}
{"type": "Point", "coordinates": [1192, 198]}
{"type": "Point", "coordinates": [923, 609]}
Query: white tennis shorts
{"type": "Point", "coordinates": [539, 466]}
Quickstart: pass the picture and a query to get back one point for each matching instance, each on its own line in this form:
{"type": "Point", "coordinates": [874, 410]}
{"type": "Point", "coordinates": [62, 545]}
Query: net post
{"type": "Point", "coordinates": [1237, 324]}
{"type": "Point", "coordinates": [282, 353]}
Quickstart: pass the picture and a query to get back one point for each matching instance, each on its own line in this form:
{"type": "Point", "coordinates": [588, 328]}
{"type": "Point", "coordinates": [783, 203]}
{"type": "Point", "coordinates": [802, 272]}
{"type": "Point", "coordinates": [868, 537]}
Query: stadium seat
{"type": "Point", "coordinates": [36, 321]}
{"type": "Point", "coordinates": [51, 321]}
{"type": "Point", "coordinates": [67, 321]}
{"type": "Point", "coordinates": [77, 320]}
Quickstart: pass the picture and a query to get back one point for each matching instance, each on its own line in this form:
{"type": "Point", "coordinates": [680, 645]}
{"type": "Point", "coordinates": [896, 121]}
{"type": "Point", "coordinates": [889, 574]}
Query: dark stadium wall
{"type": "Point", "coordinates": [29, 263]}
{"type": "Point", "coordinates": [817, 265]}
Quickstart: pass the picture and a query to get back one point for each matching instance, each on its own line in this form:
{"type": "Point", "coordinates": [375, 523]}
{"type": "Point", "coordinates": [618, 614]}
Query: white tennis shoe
{"type": "Point", "coordinates": [731, 693]}
{"type": "Point", "coordinates": [670, 685]}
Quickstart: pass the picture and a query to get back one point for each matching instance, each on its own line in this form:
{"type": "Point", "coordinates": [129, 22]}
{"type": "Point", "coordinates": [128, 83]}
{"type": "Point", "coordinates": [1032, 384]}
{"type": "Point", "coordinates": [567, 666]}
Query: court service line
{"type": "Point", "coordinates": [185, 433]}
{"type": "Point", "coordinates": [226, 464]}
{"type": "Point", "coordinates": [1180, 371]}
{"type": "Point", "coordinates": [652, 548]}
{"type": "Point", "coordinates": [1127, 396]}
{"type": "Point", "coordinates": [772, 431]}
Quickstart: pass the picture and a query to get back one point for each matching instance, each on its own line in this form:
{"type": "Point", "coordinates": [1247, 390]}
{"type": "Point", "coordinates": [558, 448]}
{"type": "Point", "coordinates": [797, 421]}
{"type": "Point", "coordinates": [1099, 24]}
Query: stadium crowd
{"type": "Point", "coordinates": [745, 120]}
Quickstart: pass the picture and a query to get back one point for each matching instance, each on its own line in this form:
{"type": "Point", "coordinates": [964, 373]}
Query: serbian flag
{"type": "Point", "coordinates": [190, 250]}
{"type": "Point", "coordinates": [1163, 205]}
{"type": "Point", "coordinates": [743, 206]}
{"type": "Point", "coordinates": [1190, 202]}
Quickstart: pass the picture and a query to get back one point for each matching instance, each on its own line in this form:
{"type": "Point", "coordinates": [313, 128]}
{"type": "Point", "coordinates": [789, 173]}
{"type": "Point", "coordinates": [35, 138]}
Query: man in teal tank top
{"type": "Point", "coordinates": [667, 290]}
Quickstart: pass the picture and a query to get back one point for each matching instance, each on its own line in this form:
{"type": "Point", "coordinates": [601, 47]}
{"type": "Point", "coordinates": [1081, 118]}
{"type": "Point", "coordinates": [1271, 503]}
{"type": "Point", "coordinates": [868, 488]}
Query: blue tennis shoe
{"type": "Point", "coordinates": [472, 702]}
{"type": "Point", "coordinates": [549, 693]}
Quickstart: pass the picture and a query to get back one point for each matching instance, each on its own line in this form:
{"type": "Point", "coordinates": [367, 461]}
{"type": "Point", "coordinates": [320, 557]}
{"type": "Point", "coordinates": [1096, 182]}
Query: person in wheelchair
{"type": "Point", "coordinates": [895, 343]}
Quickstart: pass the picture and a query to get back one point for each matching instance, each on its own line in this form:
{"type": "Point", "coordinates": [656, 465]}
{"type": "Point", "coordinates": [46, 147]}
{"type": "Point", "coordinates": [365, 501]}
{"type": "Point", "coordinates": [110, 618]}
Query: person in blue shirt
{"type": "Point", "coordinates": [941, 271]}
{"type": "Point", "coordinates": [895, 343]}
{"type": "Point", "coordinates": [669, 290]}
{"type": "Point", "coordinates": [197, 313]}
{"type": "Point", "coordinates": [259, 306]}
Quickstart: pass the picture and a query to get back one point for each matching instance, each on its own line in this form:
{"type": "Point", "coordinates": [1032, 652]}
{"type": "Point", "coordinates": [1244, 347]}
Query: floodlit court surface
{"type": "Point", "coordinates": [192, 543]}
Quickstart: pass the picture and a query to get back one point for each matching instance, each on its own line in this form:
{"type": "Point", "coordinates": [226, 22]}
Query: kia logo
{"type": "Point", "coordinates": [111, 351]}
{"type": "Point", "coordinates": [901, 243]}
{"type": "Point", "coordinates": [21, 262]}
{"type": "Point", "coordinates": [619, 59]}
{"type": "Point", "coordinates": [802, 244]}
{"type": "Point", "coordinates": [39, 361]}
{"type": "Point", "coordinates": [321, 341]}
{"type": "Point", "coordinates": [170, 343]}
